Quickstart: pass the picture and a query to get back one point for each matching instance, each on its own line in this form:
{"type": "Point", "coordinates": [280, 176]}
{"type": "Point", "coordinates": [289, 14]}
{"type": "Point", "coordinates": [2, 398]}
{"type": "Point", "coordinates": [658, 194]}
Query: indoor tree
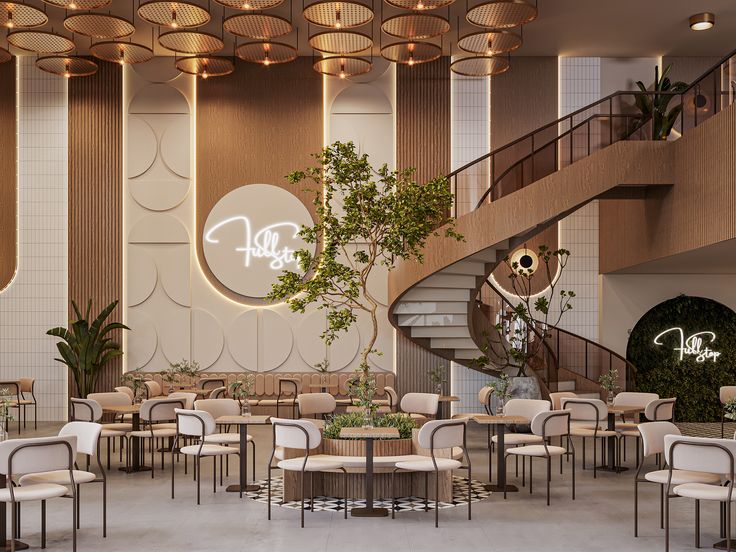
{"type": "Point", "coordinates": [654, 107]}
{"type": "Point", "coordinates": [382, 216]}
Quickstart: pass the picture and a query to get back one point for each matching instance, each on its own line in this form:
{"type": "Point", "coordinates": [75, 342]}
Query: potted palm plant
{"type": "Point", "coordinates": [86, 347]}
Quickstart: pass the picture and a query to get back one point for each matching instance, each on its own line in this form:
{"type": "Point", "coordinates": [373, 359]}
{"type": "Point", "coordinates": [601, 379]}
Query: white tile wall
{"type": "Point", "coordinates": [36, 300]}
{"type": "Point", "coordinates": [470, 140]}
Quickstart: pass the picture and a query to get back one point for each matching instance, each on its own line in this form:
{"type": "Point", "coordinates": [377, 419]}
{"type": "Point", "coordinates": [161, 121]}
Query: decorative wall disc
{"type": "Point", "coordinates": [248, 5]}
{"type": "Point", "coordinates": [338, 15]}
{"type": "Point", "coordinates": [174, 14]}
{"type": "Point", "coordinates": [490, 42]}
{"type": "Point", "coordinates": [266, 53]}
{"type": "Point", "coordinates": [191, 42]}
{"type": "Point", "coordinates": [342, 66]}
{"type": "Point", "coordinates": [99, 25]}
{"type": "Point", "coordinates": [415, 26]}
{"type": "Point", "coordinates": [480, 66]}
{"type": "Point", "coordinates": [22, 16]}
{"type": "Point", "coordinates": [420, 5]}
{"type": "Point", "coordinates": [42, 42]}
{"type": "Point", "coordinates": [340, 42]}
{"type": "Point", "coordinates": [411, 53]}
{"type": "Point", "coordinates": [121, 52]}
{"type": "Point", "coordinates": [206, 66]}
{"type": "Point", "coordinates": [67, 66]}
{"type": "Point", "coordinates": [502, 14]}
{"type": "Point", "coordinates": [5, 56]}
{"type": "Point", "coordinates": [258, 26]}
{"type": "Point", "coordinates": [78, 4]}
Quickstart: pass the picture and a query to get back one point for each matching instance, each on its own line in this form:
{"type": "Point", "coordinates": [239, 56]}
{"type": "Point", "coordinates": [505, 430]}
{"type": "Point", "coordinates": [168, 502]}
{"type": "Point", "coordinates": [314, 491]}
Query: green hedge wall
{"type": "Point", "coordinates": [659, 368]}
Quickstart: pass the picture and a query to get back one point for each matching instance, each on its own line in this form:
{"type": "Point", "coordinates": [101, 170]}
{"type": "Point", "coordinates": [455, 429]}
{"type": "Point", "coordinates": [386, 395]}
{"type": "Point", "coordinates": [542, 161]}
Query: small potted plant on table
{"type": "Point", "coordinates": [241, 389]}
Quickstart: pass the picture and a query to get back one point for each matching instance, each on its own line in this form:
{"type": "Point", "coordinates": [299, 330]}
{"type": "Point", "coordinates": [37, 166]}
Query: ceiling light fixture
{"type": "Point", "coordinates": [702, 21]}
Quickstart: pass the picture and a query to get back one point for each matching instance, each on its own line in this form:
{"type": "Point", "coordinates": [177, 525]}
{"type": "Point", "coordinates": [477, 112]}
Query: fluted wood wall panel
{"type": "Point", "coordinates": [95, 198]}
{"type": "Point", "coordinates": [255, 126]}
{"type": "Point", "coordinates": [8, 180]}
{"type": "Point", "coordinates": [423, 135]}
{"type": "Point", "coordinates": [423, 118]}
{"type": "Point", "coordinates": [698, 211]}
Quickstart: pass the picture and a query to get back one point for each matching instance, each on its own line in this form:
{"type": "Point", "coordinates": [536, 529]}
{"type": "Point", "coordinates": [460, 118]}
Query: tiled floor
{"type": "Point", "coordinates": [143, 517]}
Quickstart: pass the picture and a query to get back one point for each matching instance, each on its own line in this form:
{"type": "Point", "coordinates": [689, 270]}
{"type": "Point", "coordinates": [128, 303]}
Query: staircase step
{"type": "Point", "coordinates": [442, 280]}
{"type": "Point", "coordinates": [466, 267]}
{"type": "Point", "coordinates": [440, 331]}
{"type": "Point", "coordinates": [436, 294]}
{"type": "Point", "coordinates": [467, 354]}
{"type": "Point", "coordinates": [445, 320]}
{"type": "Point", "coordinates": [453, 343]}
{"type": "Point", "coordinates": [431, 307]}
{"type": "Point", "coordinates": [566, 385]}
{"type": "Point", "coordinates": [485, 256]}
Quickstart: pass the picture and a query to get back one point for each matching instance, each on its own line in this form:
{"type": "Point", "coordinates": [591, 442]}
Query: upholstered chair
{"type": "Point", "coordinates": [434, 436]}
{"type": "Point", "coordinates": [198, 424]}
{"type": "Point", "coordinates": [555, 423]}
{"type": "Point", "coordinates": [316, 404]}
{"type": "Point", "coordinates": [154, 412]}
{"type": "Point", "coordinates": [211, 383]}
{"type": "Point", "coordinates": [556, 398]}
{"type": "Point", "coordinates": [420, 406]}
{"type": "Point", "coordinates": [526, 408]}
{"type": "Point", "coordinates": [658, 410]}
{"type": "Point", "coordinates": [89, 410]}
{"type": "Point", "coordinates": [391, 402]}
{"type": "Point", "coordinates": [218, 393]}
{"type": "Point", "coordinates": [27, 387]}
{"type": "Point", "coordinates": [152, 388]}
{"type": "Point", "coordinates": [302, 435]}
{"type": "Point", "coordinates": [588, 418]}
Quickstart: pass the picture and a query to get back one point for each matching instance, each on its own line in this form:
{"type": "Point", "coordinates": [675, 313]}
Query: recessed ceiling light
{"type": "Point", "coordinates": [702, 21]}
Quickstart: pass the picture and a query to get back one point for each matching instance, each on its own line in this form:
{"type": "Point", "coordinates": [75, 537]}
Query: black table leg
{"type": "Point", "coordinates": [3, 522]}
{"type": "Point", "coordinates": [242, 485]}
{"type": "Point", "coordinates": [135, 449]}
{"type": "Point", "coordinates": [611, 444]}
{"type": "Point", "coordinates": [369, 510]}
{"type": "Point", "coordinates": [501, 486]}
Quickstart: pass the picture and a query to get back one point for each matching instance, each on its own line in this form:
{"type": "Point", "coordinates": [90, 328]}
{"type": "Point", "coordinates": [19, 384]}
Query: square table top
{"type": "Point", "coordinates": [123, 409]}
{"type": "Point", "coordinates": [485, 419]}
{"type": "Point", "coordinates": [624, 409]}
{"type": "Point", "coordinates": [244, 420]}
{"type": "Point", "coordinates": [369, 433]}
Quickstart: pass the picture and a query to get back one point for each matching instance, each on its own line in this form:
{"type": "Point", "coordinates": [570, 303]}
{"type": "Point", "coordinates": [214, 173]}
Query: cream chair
{"type": "Point", "coordinates": [154, 412]}
{"type": "Point", "coordinates": [302, 435]}
{"type": "Point", "coordinates": [658, 410]}
{"type": "Point", "coordinates": [556, 398]}
{"type": "Point", "coordinates": [420, 406]}
{"type": "Point", "coordinates": [316, 404]}
{"type": "Point", "coordinates": [218, 393]}
{"type": "Point", "coordinates": [652, 437]}
{"type": "Point", "coordinates": [88, 439]}
{"type": "Point", "coordinates": [547, 425]}
{"type": "Point", "coordinates": [41, 454]}
{"type": "Point", "coordinates": [225, 407]}
{"type": "Point", "coordinates": [590, 415]}
{"type": "Point", "coordinates": [526, 408]}
{"type": "Point", "coordinates": [27, 387]}
{"type": "Point", "coordinates": [116, 398]}
{"type": "Point", "coordinates": [211, 383]}
{"type": "Point", "coordinates": [88, 410]}
{"type": "Point", "coordinates": [13, 398]}
{"type": "Point", "coordinates": [127, 390]}
{"type": "Point", "coordinates": [433, 436]}
{"type": "Point", "coordinates": [189, 398]}
{"type": "Point", "coordinates": [391, 402]}
{"type": "Point", "coordinates": [725, 394]}
{"type": "Point", "coordinates": [152, 388]}
{"type": "Point", "coordinates": [288, 389]}
{"type": "Point", "coordinates": [198, 424]}
{"type": "Point", "coordinates": [703, 455]}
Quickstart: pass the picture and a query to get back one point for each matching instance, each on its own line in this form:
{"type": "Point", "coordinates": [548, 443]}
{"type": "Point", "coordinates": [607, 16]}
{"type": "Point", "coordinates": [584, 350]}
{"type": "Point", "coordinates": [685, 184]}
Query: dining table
{"type": "Point", "coordinates": [445, 401]}
{"type": "Point", "coordinates": [243, 422]}
{"type": "Point", "coordinates": [369, 434]}
{"type": "Point", "coordinates": [500, 422]}
{"type": "Point", "coordinates": [135, 448]}
{"type": "Point", "coordinates": [612, 442]}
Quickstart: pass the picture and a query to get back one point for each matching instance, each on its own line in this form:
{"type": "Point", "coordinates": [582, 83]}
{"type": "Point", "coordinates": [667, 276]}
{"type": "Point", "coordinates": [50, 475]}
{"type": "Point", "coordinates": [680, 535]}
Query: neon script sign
{"type": "Point", "coordinates": [692, 345]}
{"type": "Point", "coordinates": [266, 243]}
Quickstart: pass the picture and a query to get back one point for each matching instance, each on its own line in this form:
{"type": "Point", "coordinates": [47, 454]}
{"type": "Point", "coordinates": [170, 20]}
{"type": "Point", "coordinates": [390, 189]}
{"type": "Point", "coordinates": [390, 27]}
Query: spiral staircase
{"type": "Point", "coordinates": [603, 151]}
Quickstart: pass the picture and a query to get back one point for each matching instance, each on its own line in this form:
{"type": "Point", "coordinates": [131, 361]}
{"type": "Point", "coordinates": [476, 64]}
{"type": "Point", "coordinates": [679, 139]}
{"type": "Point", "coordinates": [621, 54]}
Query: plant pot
{"type": "Point", "coordinates": [525, 387]}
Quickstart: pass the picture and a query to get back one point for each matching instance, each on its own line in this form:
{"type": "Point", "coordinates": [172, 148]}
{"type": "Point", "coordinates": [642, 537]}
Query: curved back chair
{"type": "Point", "coordinates": [90, 410]}
{"type": "Point", "coordinates": [41, 454]}
{"type": "Point", "coordinates": [13, 398]}
{"type": "Point", "coordinates": [302, 435]}
{"type": "Point", "coordinates": [587, 416]}
{"type": "Point", "coordinates": [484, 398]}
{"type": "Point", "coordinates": [153, 412]}
{"type": "Point", "coordinates": [218, 393]}
{"type": "Point", "coordinates": [725, 394]}
{"type": "Point", "coordinates": [701, 455]}
{"type": "Point", "coordinates": [27, 387]}
{"type": "Point", "coordinates": [420, 405]}
{"type": "Point", "coordinates": [316, 404]}
{"type": "Point", "coordinates": [526, 408]}
{"type": "Point", "coordinates": [189, 398]}
{"type": "Point", "coordinates": [660, 410]}
{"type": "Point", "coordinates": [436, 435]}
{"type": "Point", "coordinates": [556, 398]}
{"type": "Point", "coordinates": [111, 399]}
{"type": "Point", "coordinates": [545, 425]}
{"type": "Point", "coordinates": [127, 390]}
{"type": "Point", "coordinates": [85, 410]}
{"type": "Point", "coordinates": [153, 389]}
{"type": "Point", "coordinates": [211, 383]}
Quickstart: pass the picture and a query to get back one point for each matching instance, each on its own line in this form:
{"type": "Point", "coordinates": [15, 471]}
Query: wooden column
{"type": "Point", "coordinates": [8, 177]}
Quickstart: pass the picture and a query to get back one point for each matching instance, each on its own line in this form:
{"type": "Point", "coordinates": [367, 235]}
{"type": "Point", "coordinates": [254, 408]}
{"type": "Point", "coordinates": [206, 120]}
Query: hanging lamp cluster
{"type": "Point", "coordinates": [341, 34]}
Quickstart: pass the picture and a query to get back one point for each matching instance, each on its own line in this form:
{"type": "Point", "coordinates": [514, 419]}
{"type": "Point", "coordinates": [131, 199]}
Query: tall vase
{"type": "Point", "coordinates": [499, 408]}
{"type": "Point", "coordinates": [244, 407]}
{"type": "Point", "coordinates": [610, 397]}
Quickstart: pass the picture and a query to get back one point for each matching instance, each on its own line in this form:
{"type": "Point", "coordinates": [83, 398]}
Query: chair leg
{"type": "Point", "coordinates": [393, 494]}
{"type": "Point", "coordinates": [345, 477]}
{"type": "Point", "coordinates": [301, 485]}
{"type": "Point", "coordinates": [198, 476]}
{"type": "Point", "coordinates": [584, 452]}
{"type": "Point", "coordinates": [43, 524]}
{"type": "Point", "coordinates": [595, 460]}
{"type": "Point", "coordinates": [573, 474]}
{"type": "Point", "coordinates": [253, 460]}
{"type": "Point", "coordinates": [214, 474]}
{"type": "Point", "coordinates": [636, 507]}
{"type": "Point", "coordinates": [104, 508]}
{"type": "Point", "coordinates": [470, 493]}
{"type": "Point", "coordinates": [426, 491]}
{"type": "Point", "coordinates": [697, 524]}
{"type": "Point", "coordinates": [77, 505]}
{"type": "Point", "coordinates": [152, 450]}
{"type": "Point", "coordinates": [13, 528]}
{"type": "Point", "coordinates": [549, 475]}
{"type": "Point", "coordinates": [436, 499]}
{"type": "Point", "coordinates": [728, 525]}
{"type": "Point", "coordinates": [268, 484]}
{"type": "Point", "coordinates": [561, 455]}
{"type": "Point", "coordinates": [666, 521]}
{"type": "Point", "coordinates": [661, 506]}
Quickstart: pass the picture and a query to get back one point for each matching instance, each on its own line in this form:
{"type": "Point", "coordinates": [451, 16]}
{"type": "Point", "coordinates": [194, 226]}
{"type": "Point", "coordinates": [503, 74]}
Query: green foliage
{"type": "Point", "coordinates": [135, 379]}
{"type": "Point", "coordinates": [437, 376]}
{"type": "Point", "coordinates": [729, 409]}
{"type": "Point", "coordinates": [242, 387]}
{"type": "Point", "coordinates": [86, 348]}
{"type": "Point", "coordinates": [6, 400]}
{"type": "Point", "coordinates": [654, 107]}
{"type": "Point", "coordinates": [659, 368]}
{"type": "Point", "coordinates": [362, 387]}
{"type": "Point", "coordinates": [402, 422]}
{"type": "Point", "coordinates": [502, 387]}
{"type": "Point", "coordinates": [383, 216]}
{"type": "Point", "coordinates": [609, 380]}
{"type": "Point", "coordinates": [187, 368]}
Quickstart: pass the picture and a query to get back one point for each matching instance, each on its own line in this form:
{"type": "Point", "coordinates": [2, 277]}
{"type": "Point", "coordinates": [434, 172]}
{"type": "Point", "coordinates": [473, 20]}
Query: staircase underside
{"type": "Point", "coordinates": [433, 303]}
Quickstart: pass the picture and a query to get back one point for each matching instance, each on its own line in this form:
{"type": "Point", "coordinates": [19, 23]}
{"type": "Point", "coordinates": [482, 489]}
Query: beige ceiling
{"type": "Point", "coordinates": [606, 28]}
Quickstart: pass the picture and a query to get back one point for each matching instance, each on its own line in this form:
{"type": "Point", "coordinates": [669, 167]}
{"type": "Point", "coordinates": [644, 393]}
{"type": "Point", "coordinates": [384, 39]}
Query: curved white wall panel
{"type": "Point", "coordinates": [275, 340]}
{"type": "Point", "coordinates": [173, 267]}
{"type": "Point", "coordinates": [159, 195]}
{"type": "Point", "coordinates": [158, 228]}
{"type": "Point", "coordinates": [159, 98]}
{"type": "Point", "coordinates": [242, 340]}
{"type": "Point", "coordinates": [142, 265]}
{"type": "Point", "coordinates": [174, 329]}
{"type": "Point", "coordinates": [142, 146]}
{"type": "Point", "coordinates": [159, 70]}
{"type": "Point", "coordinates": [174, 146]}
{"type": "Point", "coordinates": [208, 340]}
{"type": "Point", "coordinates": [142, 339]}
{"type": "Point", "coordinates": [307, 332]}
